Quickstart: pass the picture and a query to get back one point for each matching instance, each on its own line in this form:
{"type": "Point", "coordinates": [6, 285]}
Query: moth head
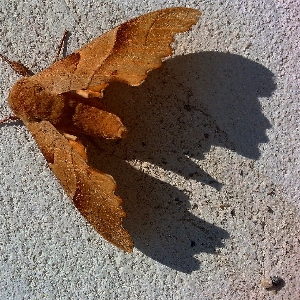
{"type": "Point", "coordinates": [24, 97]}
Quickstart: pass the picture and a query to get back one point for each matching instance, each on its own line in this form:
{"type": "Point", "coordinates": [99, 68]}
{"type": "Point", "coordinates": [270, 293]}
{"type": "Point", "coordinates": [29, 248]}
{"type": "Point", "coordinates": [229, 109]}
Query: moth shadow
{"type": "Point", "coordinates": [157, 216]}
{"type": "Point", "coordinates": [192, 103]}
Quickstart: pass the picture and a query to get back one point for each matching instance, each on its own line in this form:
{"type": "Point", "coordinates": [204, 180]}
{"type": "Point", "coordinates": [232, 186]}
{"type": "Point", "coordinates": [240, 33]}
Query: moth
{"type": "Point", "coordinates": [64, 101]}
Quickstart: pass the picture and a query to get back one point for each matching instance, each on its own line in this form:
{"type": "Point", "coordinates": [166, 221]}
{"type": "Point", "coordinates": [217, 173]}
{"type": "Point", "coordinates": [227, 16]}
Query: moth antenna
{"type": "Point", "coordinates": [9, 118]}
{"type": "Point", "coordinates": [17, 67]}
{"type": "Point", "coordinates": [63, 40]}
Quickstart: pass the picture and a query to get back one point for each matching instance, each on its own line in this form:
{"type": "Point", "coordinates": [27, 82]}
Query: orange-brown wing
{"type": "Point", "coordinates": [125, 53]}
{"type": "Point", "coordinates": [91, 191]}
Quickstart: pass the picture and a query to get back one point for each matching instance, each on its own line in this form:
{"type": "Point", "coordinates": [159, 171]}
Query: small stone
{"type": "Point", "coordinates": [267, 282]}
{"type": "Point", "coordinates": [248, 45]}
{"type": "Point", "coordinates": [224, 205]}
{"type": "Point", "coordinates": [187, 107]}
{"type": "Point", "coordinates": [272, 283]}
{"type": "Point", "coordinates": [195, 206]}
{"type": "Point", "coordinates": [236, 35]}
{"type": "Point", "coordinates": [276, 280]}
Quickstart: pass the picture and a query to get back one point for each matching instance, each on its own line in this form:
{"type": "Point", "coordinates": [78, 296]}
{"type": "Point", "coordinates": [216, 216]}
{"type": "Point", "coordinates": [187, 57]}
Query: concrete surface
{"type": "Point", "coordinates": [209, 173]}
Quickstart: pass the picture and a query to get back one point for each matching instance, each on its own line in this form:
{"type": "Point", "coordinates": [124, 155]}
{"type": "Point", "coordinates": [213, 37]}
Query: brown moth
{"type": "Point", "coordinates": [61, 101]}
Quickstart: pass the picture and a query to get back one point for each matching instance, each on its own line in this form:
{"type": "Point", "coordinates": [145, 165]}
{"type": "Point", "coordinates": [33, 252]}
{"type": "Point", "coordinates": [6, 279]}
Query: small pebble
{"type": "Point", "coordinates": [267, 282]}
{"type": "Point", "coordinates": [271, 282]}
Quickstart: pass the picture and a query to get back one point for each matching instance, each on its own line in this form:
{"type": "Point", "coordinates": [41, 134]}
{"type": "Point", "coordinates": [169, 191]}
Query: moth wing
{"type": "Point", "coordinates": [92, 192]}
{"type": "Point", "coordinates": [126, 53]}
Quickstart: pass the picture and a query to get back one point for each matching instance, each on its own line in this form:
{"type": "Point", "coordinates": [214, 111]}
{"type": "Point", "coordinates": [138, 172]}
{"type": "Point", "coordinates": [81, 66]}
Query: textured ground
{"type": "Point", "coordinates": [209, 172]}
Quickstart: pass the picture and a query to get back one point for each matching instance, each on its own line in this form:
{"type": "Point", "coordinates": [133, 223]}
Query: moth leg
{"type": "Point", "coordinates": [62, 42]}
{"type": "Point", "coordinates": [17, 67]}
{"type": "Point", "coordinates": [87, 94]}
{"type": "Point", "coordinates": [94, 92]}
{"type": "Point", "coordinates": [76, 144]}
{"type": "Point", "coordinates": [9, 118]}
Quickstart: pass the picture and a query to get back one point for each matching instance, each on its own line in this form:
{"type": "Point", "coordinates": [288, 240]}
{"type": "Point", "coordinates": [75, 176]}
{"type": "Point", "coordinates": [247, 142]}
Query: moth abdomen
{"type": "Point", "coordinates": [84, 118]}
{"type": "Point", "coordinates": [99, 123]}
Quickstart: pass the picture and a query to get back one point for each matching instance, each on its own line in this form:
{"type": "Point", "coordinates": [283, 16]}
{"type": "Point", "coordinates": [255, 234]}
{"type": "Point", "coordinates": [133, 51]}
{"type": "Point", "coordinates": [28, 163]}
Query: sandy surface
{"type": "Point", "coordinates": [209, 172]}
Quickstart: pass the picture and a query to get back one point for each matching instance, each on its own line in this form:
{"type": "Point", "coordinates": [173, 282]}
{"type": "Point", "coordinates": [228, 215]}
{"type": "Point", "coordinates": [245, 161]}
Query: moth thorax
{"type": "Point", "coordinates": [26, 98]}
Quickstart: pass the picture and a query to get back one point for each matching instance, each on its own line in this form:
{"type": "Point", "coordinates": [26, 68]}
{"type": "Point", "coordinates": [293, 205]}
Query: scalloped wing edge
{"type": "Point", "coordinates": [91, 191]}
